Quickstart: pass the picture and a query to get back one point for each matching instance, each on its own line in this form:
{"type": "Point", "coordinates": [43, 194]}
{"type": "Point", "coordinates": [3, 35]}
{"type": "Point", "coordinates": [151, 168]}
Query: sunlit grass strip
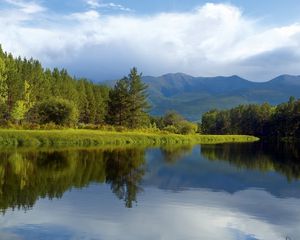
{"type": "Point", "coordinates": [88, 138]}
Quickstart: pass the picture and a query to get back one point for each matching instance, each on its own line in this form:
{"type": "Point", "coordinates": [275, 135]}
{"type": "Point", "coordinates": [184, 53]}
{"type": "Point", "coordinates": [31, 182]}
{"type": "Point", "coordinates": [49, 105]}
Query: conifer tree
{"type": "Point", "coordinates": [118, 106]}
{"type": "Point", "coordinates": [137, 99]}
{"type": "Point", "coordinates": [3, 82]}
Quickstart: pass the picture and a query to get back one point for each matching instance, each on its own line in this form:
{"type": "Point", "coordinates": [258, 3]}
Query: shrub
{"type": "Point", "coordinates": [186, 127]}
{"type": "Point", "coordinates": [57, 111]}
{"type": "Point", "coordinates": [172, 118]}
{"type": "Point", "coordinates": [171, 129]}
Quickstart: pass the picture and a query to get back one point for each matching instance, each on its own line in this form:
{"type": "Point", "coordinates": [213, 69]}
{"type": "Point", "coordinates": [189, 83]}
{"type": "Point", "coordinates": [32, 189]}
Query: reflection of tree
{"type": "Point", "coordinates": [172, 154]}
{"type": "Point", "coordinates": [283, 158]}
{"type": "Point", "coordinates": [124, 174]}
{"type": "Point", "coordinates": [26, 176]}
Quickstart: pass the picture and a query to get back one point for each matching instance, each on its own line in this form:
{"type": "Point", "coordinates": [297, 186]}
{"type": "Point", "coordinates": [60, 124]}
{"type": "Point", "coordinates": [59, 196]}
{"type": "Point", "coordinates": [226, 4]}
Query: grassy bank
{"type": "Point", "coordinates": [88, 138]}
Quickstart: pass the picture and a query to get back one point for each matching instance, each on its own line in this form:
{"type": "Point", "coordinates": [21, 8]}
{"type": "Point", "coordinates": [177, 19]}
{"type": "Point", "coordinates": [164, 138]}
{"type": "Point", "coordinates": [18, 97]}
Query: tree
{"type": "Point", "coordinates": [137, 99]}
{"type": "Point", "coordinates": [209, 120]}
{"type": "Point", "coordinates": [3, 82]}
{"type": "Point", "coordinates": [101, 100]}
{"type": "Point", "coordinates": [172, 118]}
{"type": "Point", "coordinates": [262, 120]}
{"type": "Point", "coordinates": [118, 105]}
{"type": "Point", "coordinates": [17, 73]}
{"type": "Point", "coordinates": [58, 111]}
{"type": "Point", "coordinates": [186, 127]}
{"type": "Point", "coordinates": [22, 106]}
{"type": "Point", "coordinates": [91, 106]}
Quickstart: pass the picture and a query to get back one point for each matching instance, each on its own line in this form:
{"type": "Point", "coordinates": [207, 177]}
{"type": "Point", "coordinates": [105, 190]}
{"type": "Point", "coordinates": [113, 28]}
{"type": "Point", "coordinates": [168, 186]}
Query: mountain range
{"type": "Point", "coordinates": [192, 96]}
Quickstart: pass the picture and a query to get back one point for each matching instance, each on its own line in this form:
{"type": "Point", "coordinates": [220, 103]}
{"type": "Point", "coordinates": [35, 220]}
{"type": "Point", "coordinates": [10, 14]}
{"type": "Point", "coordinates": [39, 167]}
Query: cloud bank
{"type": "Point", "coordinates": [212, 39]}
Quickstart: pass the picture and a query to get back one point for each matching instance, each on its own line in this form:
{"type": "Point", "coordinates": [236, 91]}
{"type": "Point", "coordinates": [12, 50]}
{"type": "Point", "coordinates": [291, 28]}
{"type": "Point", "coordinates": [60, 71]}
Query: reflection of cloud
{"type": "Point", "coordinates": [214, 39]}
{"type": "Point", "coordinates": [199, 214]}
{"type": "Point", "coordinates": [9, 236]}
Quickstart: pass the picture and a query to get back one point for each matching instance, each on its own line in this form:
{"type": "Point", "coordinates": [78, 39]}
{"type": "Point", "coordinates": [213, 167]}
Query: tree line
{"type": "Point", "coordinates": [30, 94]}
{"type": "Point", "coordinates": [33, 96]}
{"type": "Point", "coordinates": [262, 120]}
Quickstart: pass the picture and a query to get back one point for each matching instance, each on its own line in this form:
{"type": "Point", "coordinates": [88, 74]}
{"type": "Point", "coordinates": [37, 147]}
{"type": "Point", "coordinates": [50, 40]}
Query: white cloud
{"type": "Point", "coordinates": [99, 4]}
{"type": "Point", "coordinates": [213, 39]}
{"type": "Point", "coordinates": [27, 6]}
{"type": "Point", "coordinates": [93, 3]}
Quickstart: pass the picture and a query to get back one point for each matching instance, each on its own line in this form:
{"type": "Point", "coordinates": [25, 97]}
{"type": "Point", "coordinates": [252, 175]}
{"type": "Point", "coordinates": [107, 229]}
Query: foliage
{"type": "Point", "coordinates": [137, 99]}
{"type": "Point", "coordinates": [3, 82]}
{"type": "Point", "coordinates": [173, 122]}
{"type": "Point", "coordinates": [171, 129]}
{"type": "Point", "coordinates": [21, 107]}
{"type": "Point", "coordinates": [19, 110]}
{"type": "Point", "coordinates": [72, 137]}
{"type": "Point", "coordinates": [186, 127]}
{"type": "Point", "coordinates": [24, 82]}
{"type": "Point", "coordinates": [118, 104]}
{"type": "Point", "coordinates": [263, 120]}
{"type": "Point", "coordinates": [128, 103]}
{"type": "Point", "coordinates": [57, 111]}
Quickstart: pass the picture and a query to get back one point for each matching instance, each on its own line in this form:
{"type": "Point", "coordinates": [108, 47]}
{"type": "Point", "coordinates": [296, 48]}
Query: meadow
{"type": "Point", "coordinates": [90, 138]}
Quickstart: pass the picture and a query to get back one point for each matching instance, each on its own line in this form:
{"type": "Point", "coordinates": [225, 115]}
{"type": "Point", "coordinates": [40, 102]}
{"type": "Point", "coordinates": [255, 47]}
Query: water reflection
{"type": "Point", "coordinates": [171, 154]}
{"type": "Point", "coordinates": [283, 158]}
{"type": "Point", "coordinates": [226, 191]}
{"type": "Point", "coordinates": [26, 176]}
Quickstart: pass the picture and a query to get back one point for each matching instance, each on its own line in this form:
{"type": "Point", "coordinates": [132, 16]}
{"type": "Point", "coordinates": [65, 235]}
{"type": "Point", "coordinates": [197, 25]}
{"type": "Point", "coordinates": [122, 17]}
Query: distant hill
{"type": "Point", "coordinates": [192, 96]}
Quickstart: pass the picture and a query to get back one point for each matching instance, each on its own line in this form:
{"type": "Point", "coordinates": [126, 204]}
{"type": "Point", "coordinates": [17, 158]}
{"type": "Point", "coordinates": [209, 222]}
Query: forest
{"type": "Point", "coordinates": [32, 97]}
{"type": "Point", "coordinates": [30, 93]}
{"type": "Point", "coordinates": [281, 121]}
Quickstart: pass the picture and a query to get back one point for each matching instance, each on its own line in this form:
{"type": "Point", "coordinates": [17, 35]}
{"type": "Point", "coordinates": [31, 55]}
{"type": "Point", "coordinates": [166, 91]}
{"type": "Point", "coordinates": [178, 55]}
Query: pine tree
{"type": "Point", "coordinates": [91, 107]}
{"type": "Point", "coordinates": [137, 99]}
{"type": "Point", "coordinates": [3, 82]}
{"type": "Point", "coordinates": [118, 105]}
{"type": "Point", "coordinates": [101, 99]}
{"type": "Point", "coordinates": [82, 102]}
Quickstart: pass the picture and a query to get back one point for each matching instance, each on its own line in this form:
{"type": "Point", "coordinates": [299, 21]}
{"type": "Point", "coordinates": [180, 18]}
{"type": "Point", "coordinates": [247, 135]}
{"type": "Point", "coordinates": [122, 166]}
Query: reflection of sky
{"type": "Point", "coordinates": [94, 213]}
{"type": "Point", "coordinates": [194, 171]}
{"type": "Point", "coordinates": [213, 200]}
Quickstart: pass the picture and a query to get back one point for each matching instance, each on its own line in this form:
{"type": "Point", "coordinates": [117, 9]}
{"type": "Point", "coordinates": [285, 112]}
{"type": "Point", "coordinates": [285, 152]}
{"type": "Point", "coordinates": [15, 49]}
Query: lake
{"type": "Point", "coordinates": [224, 191]}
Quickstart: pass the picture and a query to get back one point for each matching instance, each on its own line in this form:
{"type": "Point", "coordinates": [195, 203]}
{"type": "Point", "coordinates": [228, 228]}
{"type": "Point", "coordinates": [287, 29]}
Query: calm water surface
{"type": "Point", "coordinates": [229, 191]}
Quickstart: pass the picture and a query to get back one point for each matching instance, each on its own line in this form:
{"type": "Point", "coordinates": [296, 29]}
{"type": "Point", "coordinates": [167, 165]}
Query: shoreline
{"type": "Point", "coordinates": [94, 138]}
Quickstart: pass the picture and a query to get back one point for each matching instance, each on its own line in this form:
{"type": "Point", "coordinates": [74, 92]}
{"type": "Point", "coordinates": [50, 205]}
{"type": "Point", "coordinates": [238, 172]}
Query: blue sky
{"type": "Point", "coordinates": [272, 11]}
{"type": "Point", "coordinates": [101, 39]}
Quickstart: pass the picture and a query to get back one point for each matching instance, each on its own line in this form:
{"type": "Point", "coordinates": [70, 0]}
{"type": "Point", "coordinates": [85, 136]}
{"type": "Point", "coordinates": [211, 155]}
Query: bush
{"type": "Point", "coordinates": [57, 111]}
{"type": "Point", "coordinates": [172, 118]}
{"type": "Point", "coordinates": [171, 129]}
{"type": "Point", "coordinates": [186, 127]}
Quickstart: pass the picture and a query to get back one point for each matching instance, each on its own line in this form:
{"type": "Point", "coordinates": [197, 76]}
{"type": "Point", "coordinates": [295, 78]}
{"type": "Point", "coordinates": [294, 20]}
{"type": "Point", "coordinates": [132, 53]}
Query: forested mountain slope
{"type": "Point", "coordinates": [192, 96]}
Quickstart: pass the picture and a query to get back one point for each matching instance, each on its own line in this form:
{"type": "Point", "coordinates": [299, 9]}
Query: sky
{"type": "Point", "coordinates": [101, 40]}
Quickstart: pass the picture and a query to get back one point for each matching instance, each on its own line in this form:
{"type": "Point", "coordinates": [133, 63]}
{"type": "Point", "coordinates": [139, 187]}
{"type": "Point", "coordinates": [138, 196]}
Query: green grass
{"type": "Point", "coordinates": [90, 138]}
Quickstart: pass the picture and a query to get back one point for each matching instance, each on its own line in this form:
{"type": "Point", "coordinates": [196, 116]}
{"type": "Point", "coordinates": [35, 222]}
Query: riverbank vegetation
{"type": "Point", "coordinates": [281, 121]}
{"type": "Point", "coordinates": [89, 138]}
